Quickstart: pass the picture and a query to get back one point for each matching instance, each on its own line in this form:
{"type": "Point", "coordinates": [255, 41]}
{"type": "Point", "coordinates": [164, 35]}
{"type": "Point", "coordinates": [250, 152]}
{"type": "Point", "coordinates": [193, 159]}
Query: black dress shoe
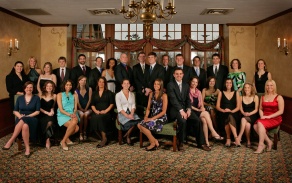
{"type": "Point", "coordinates": [205, 148]}
{"type": "Point", "coordinates": [99, 146]}
{"type": "Point", "coordinates": [6, 148]}
{"type": "Point", "coordinates": [151, 149]}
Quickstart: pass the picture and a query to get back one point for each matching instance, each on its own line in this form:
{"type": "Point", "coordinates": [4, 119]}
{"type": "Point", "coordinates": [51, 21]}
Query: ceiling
{"type": "Point", "coordinates": [188, 11]}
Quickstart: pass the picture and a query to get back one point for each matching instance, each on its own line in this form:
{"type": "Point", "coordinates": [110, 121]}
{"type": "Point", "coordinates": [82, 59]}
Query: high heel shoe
{"type": "Point", "coordinates": [27, 155]}
{"type": "Point", "coordinates": [227, 144]}
{"type": "Point", "coordinates": [65, 148]}
{"type": "Point", "coordinates": [6, 148]}
{"type": "Point", "coordinates": [218, 138]}
{"type": "Point", "coordinates": [151, 149]}
{"type": "Point", "coordinates": [269, 148]}
{"type": "Point", "coordinates": [261, 151]}
{"type": "Point", "coordinates": [128, 141]}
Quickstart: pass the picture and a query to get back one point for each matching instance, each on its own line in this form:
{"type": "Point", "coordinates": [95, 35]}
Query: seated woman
{"type": "Point", "coordinates": [126, 106]}
{"type": "Point", "coordinates": [47, 118]}
{"type": "Point", "coordinates": [271, 109]}
{"type": "Point", "coordinates": [67, 112]}
{"type": "Point", "coordinates": [155, 116]}
{"type": "Point", "coordinates": [46, 76]}
{"type": "Point", "coordinates": [249, 110]}
{"type": "Point", "coordinates": [228, 104]}
{"type": "Point", "coordinates": [109, 74]}
{"type": "Point", "coordinates": [26, 109]}
{"type": "Point", "coordinates": [199, 109]}
{"type": "Point", "coordinates": [210, 95]}
{"type": "Point", "coordinates": [84, 97]}
{"type": "Point", "coordinates": [102, 103]}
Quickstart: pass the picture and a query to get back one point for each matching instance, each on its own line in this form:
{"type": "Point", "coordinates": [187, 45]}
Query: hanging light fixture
{"type": "Point", "coordinates": [148, 11]}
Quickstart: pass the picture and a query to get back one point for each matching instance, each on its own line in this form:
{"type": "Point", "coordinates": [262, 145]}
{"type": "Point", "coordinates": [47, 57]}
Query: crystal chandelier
{"type": "Point", "coordinates": [148, 11]}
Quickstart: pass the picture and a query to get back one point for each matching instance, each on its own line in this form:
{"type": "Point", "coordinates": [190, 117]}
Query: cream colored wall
{"type": "Point", "coordinates": [53, 44]}
{"type": "Point", "coordinates": [278, 63]}
{"type": "Point", "coordinates": [29, 43]}
{"type": "Point", "coordinates": [241, 45]}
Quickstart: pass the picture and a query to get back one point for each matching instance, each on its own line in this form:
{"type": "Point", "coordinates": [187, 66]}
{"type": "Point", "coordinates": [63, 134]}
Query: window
{"type": "Point", "coordinates": [167, 31]}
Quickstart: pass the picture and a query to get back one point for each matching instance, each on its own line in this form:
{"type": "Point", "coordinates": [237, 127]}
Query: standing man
{"type": "Point", "coordinates": [95, 73]}
{"type": "Point", "coordinates": [80, 69]}
{"type": "Point", "coordinates": [62, 73]}
{"type": "Point", "coordinates": [123, 71]}
{"type": "Point", "coordinates": [180, 110]}
{"type": "Point", "coordinates": [179, 59]}
{"type": "Point", "coordinates": [219, 71]}
{"type": "Point", "coordinates": [199, 72]}
{"type": "Point", "coordinates": [167, 70]}
{"type": "Point", "coordinates": [139, 72]}
{"type": "Point", "coordinates": [156, 71]}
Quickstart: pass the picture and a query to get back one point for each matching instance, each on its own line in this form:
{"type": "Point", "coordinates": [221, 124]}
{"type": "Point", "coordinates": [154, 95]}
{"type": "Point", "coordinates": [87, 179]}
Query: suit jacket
{"type": "Point", "coordinates": [221, 75]}
{"type": "Point", "coordinates": [139, 77]}
{"type": "Point", "coordinates": [76, 72]}
{"type": "Point", "coordinates": [178, 100]}
{"type": "Point", "coordinates": [157, 72]}
{"type": "Point", "coordinates": [202, 78]}
{"type": "Point", "coordinates": [187, 73]}
{"type": "Point", "coordinates": [93, 77]}
{"type": "Point", "coordinates": [59, 79]}
{"type": "Point", "coordinates": [14, 84]}
{"type": "Point", "coordinates": [121, 73]}
{"type": "Point", "coordinates": [167, 76]}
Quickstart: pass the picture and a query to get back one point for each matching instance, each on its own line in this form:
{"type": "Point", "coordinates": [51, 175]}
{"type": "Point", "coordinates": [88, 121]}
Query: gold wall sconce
{"type": "Point", "coordinates": [13, 48]}
{"type": "Point", "coordinates": [285, 48]}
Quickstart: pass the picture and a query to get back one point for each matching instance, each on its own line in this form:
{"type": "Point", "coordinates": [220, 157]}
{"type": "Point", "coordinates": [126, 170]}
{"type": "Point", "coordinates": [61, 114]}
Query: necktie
{"type": "Point", "coordinates": [150, 69]}
{"type": "Point", "coordinates": [143, 68]}
{"type": "Point", "coordinates": [180, 86]}
{"type": "Point", "coordinates": [126, 68]}
{"type": "Point", "coordinates": [216, 70]}
{"type": "Point", "coordinates": [100, 70]}
{"type": "Point", "coordinates": [62, 74]}
{"type": "Point", "coordinates": [197, 71]}
{"type": "Point", "coordinates": [165, 68]}
{"type": "Point", "coordinates": [84, 71]}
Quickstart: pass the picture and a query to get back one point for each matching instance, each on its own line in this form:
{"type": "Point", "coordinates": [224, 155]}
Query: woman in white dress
{"type": "Point", "coordinates": [109, 74]}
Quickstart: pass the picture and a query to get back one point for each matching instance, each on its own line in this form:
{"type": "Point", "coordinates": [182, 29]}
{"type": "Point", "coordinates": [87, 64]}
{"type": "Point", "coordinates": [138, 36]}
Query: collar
{"type": "Point", "coordinates": [81, 66]}
{"type": "Point", "coordinates": [180, 66]}
{"type": "Point", "coordinates": [216, 66]}
{"type": "Point", "coordinates": [178, 82]}
{"type": "Point", "coordinates": [153, 65]}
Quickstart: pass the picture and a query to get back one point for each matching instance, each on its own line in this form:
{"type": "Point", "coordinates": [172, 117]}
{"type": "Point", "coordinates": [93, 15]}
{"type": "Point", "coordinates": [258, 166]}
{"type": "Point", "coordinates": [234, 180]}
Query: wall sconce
{"type": "Point", "coordinates": [285, 48]}
{"type": "Point", "coordinates": [12, 48]}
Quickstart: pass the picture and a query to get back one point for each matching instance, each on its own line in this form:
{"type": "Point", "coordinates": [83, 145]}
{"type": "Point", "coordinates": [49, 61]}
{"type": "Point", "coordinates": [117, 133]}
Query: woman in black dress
{"type": "Point", "coordinates": [249, 110]}
{"type": "Point", "coordinates": [228, 104]}
{"type": "Point", "coordinates": [261, 76]}
{"type": "Point", "coordinates": [47, 115]}
{"type": "Point", "coordinates": [15, 81]}
{"type": "Point", "coordinates": [46, 76]}
{"type": "Point", "coordinates": [33, 71]}
{"type": "Point", "coordinates": [101, 104]}
{"type": "Point", "coordinates": [26, 109]}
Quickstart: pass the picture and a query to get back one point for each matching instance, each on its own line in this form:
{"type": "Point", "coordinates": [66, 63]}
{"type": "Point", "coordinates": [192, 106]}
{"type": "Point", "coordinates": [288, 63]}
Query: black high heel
{"type": "Point", "coordinates": [7, 148]}
{"type": "Point", "coordinates": [151, 149]}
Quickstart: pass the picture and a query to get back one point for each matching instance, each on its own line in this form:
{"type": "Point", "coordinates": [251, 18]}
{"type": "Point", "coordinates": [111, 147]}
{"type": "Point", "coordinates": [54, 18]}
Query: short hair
{"type": "Point", "coordinates": [49, 64]}
{"type": "Point", "coordinates": [26, 84]}
{"type": "Point", "coordinates": [215, 55]}
{"type": "Point", "coordinates": [256, 65]}
{"type": "Point", "coordinates": [81, 55]}
{"type": "Point", "coordinates": [177, 69]}
{"type": "Point", "coordinates": [252, 92]}
{"type": "Point", "coordinates": [194, 77]}
{"type": "Point", "coordinates": [104, 81]}
{"type": "Point", "coordinates": [141, 53]}
{"type": "Point", "coordinates": [99, 57]}
{"type": "Point", "coordinates": [64, 83]}
{"type": "Point", "coordinates": [238, 61]}
{"type": "Point", "coordinates": [126, 79]}
{"type": "Point", "coordinates": [44, 91]}
{"type": "Point", "coordinates": [79, 78]}
{"type": "Point", "coordinates": [165, 55]}
{"type": "Point", "coordinates": [274, 83]}
{"type": "Point", "coordinates": [62, 58]}
{"type": "Point", "coordinates": [152, 53]}
{"type": "Point", "coordinates": [108, 61]}
{"type": "Point", "coordinates": [225, 88]}
{"type": "Point", "coordinates": [179, 55]}
{"type": "Point", "coordinates": [208, 81]}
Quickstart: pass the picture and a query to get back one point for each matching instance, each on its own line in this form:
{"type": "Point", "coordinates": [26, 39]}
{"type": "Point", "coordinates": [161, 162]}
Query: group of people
{"type": "Point", "coordinates": [215, 101]}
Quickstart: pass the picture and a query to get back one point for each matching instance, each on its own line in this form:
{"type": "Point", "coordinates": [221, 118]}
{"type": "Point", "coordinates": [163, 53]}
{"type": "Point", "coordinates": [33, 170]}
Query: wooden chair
{"type": "Point", "coordinates": [169, 129]}
{"type": "Point", "coordinates": [275, 133]}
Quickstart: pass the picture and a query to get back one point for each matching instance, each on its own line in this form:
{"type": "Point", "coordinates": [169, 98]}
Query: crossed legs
{"type": "Point", "coordinates": [207, 124]}
{"type": "Point", "coordinates": [245, 127]}
{"type": "Point", "coordinates": [261, 131]}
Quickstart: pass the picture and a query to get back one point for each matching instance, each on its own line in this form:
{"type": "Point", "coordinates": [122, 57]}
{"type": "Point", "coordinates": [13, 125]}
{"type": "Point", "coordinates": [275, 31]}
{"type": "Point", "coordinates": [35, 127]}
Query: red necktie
{"type": "Point", "coordinates": [62, 74]}
{"type": "Point", "coordinates": [126, 68]}
{"type": "Point", "coordinates": [84, 71]}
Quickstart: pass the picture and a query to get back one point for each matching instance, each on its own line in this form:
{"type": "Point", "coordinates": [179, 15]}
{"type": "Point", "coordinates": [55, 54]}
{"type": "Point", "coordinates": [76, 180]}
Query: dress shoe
{"type": "Point", "coordinates": [128, 141]}
{"type": "Point", "coordinates": [6, 148]}
{"type": "Point", "coordinates": [65, 148]}
{"type": "Point", "coordinates": [70, 143]}
{"type": "Point", "coordinates": [151, 149]}
{"type": "Point", "coordinates": [180, 147]}
{"type": "Point", "coordinates": [205, 147]}
{"type": "Point", "coordinates": [269, 148]}
{"type": "Point", "coordinates": [27, 155]}
{"type": "Point", "coordinates": [261, 151]}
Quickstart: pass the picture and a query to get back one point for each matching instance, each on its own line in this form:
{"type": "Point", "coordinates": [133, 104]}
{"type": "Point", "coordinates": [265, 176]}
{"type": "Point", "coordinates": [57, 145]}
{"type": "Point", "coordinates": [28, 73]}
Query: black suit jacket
{"type": "Point", "coordinates": [59, 79]}
{"type": "Point", "coordinates": [139, 77]}
{"type": "Point", "coordinates": [14, 84]}
{"type": "Point", "coordinates": [202, 78]}
{"type": "Point", "coordinates": [76, 72]}
{"type": "Point", "coordinates": [157, 72]}
{"type": "Point", "coordinates": [120, 74]}
{"type": "Point", "coordinates": [221, 75]}
{"type": "Point", "coordinates": [178, 100]}
{"type": "Point", "coordinates": [187, 73]}
{"type": "Point", "coordinates": [167, 76]}
{"type": "Point", "coordinates": [93, 77]}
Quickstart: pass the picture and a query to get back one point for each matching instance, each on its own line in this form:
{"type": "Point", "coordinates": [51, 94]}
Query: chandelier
{"type": "Point", "coordinates": [148, 11]}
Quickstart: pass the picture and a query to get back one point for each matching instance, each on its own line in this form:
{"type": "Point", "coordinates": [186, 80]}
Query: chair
{"type": "Point", "coordinates": [19, 138]}
{"type": "Point", "coordinates": [168, 129]}
{"type": "Point", "coordinates": [275, 132]}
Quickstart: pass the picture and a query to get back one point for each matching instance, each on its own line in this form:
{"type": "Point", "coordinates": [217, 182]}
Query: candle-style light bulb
{"type": "Point", "coordinates": [279, 42]}
{"type": "Point", "coordinates": [285, 43]}
{"type": "Point", "coordinates": [10, 43]}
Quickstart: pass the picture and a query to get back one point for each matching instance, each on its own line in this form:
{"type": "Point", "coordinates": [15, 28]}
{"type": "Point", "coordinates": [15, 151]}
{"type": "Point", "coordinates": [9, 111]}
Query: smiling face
{"type": "Point", "coordinates": [151, 59]}
{"type": "Point", "coordinates": [216, 60]}
{"type": "Point", "coordinates": [235, 64]}
{"type": "Point", "coordinates": [261, 64]}
{"type": "Point", "coordinates": [49, 87]}
{"type": "Point", "coordinates": [178, 75]}
{"type": "Point", "coordinates": [18, 68]}
{"type": "Point", "coordinates": [142, 58]}
{"type": "Point", "coordinates": [68, 86]}
{"type": "Point", "coordinates": [270, 87]}
{"type": "Point", "coordinates": [197, 62]}
{"type": "Point", "coordinates": [247, 89]}
{"type": "Point", "coordinates": [157, 86]}
{"type": "Point", "coordinates": [82, 60]}
{"type": "Point", "coordinates": [98, 62]}
{"type": "Point", "coordinates": [228, 84]}
{"type": "Point", "coordinates": [112, 63]}
{"type": "Point", "coordinates": [124, 58]}
{"type": "Point", "coordinates": [212, 82]}
{"type": "Point", "coordinates": [32, 63]}
{"type": "Point", "coordinates": [28, 89]}
{"type": "Point", "coordinates": [165, 60]}
{"type": "Point", "coordinates": [47, 68]}
{"type": "Point", "coordinates": [179, 60]}
{"type": "Point", "coordinates": [194, 83]}
{"type": "Point", "coordinates": [82, 82]}
{"type": "Point", "coordinates": [126, 84]}
{"type": "Point", "coordinates": [100, 83]}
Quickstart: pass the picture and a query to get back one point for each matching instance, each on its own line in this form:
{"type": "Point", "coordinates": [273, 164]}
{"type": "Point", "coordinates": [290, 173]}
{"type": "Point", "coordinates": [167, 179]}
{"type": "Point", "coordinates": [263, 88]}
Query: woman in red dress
{"type": "Point", "coordinates": [271, 109]}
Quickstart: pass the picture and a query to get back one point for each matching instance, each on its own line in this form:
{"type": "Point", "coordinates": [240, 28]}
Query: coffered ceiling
{"type": "Point", "coordinates": [188, 11]}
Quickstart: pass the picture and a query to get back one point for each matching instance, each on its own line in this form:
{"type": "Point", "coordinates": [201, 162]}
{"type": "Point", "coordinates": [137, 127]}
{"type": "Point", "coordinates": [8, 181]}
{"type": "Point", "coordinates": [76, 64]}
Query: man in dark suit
{"type": "Point", "coordinates": [62, 73]}
{"type": "Point", "coordinates": [123, 71]}
{"type": "Point", "coordinates": [199, 72]}
{"type": "Point", "coordinates": [95, 73]}
{"type": "Point", "coordinates": [156, 71]}
{"type": "Point", "coordinates": [219, 71]}
{"type": "Point", "coordinates": [139, 71]}
{"type": "Point", "coordinates": [80, 69]}
{"type": "Point", "coordinates": [179, 59]}
{"type": "Point", "coordinates": [180, 110]}
{"type": "Point", "coordinates": [167, 70]}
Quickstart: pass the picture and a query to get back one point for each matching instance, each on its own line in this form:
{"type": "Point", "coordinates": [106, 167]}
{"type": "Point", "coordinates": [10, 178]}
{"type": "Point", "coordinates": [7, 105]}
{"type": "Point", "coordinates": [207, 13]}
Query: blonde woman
{"type": "Point", "coordinates": [46, 76]}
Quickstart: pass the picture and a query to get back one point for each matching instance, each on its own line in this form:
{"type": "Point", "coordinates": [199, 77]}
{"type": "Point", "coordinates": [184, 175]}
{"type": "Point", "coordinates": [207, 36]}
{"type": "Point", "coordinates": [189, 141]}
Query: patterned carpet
{"type": "Point", "coordinates": [122, 163]}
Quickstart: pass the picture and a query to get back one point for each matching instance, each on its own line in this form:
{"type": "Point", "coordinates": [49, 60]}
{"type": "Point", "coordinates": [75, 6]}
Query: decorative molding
{"type": "Point", "coordinates": [274, 16]}
{"type": "Point", "coordinates": [19, 16]}
{"type": "Point", "coordinates": [60, 33]}
{"type": "Point", "coordinates": [240, 24]}
{"type": "Point", "coordinates": [234, 33]}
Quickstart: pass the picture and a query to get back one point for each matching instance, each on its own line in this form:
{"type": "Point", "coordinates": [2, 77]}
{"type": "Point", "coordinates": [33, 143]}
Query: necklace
{"type": "Point", "coordinates": [27, 101]}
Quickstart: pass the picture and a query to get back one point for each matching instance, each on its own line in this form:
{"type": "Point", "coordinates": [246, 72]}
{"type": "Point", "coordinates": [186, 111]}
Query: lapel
{"type": "Point", "coordinates": [66, 74]}
{"type": "Point", "coordinates": [58, 72]}
{"type": "Point", "coordinates": [178, 91]}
